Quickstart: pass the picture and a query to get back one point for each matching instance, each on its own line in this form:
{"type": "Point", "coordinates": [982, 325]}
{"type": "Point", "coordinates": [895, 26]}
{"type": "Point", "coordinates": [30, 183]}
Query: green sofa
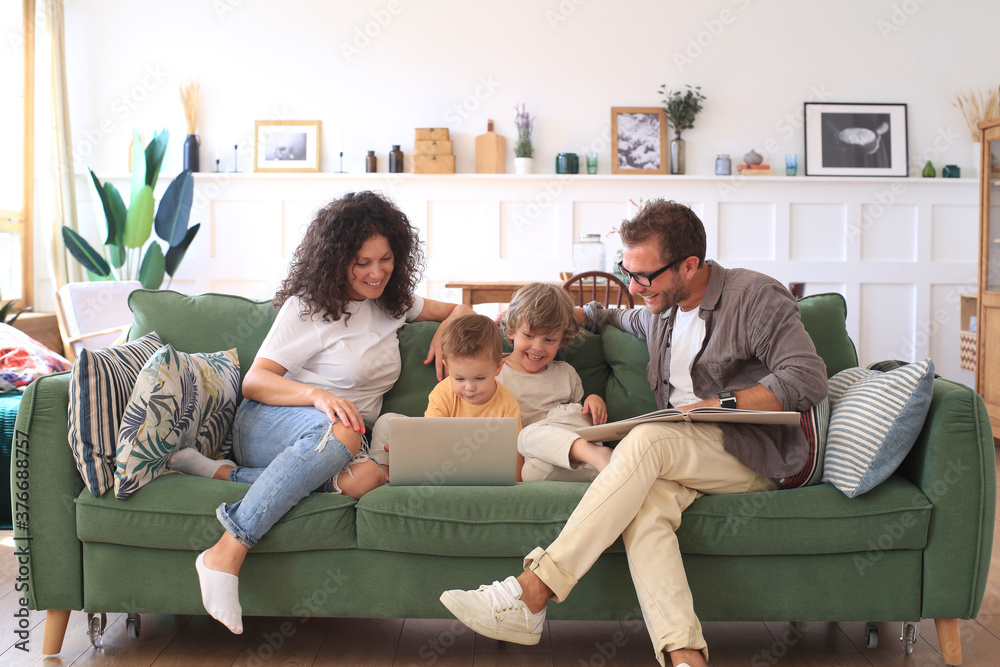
{"type": "Point", "coordinates": [918, 546]}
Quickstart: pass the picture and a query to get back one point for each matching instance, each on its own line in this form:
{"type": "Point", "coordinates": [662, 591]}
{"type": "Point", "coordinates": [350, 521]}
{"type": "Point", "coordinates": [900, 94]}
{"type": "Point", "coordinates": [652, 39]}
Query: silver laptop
{"type": "Point", "coordinates": [452, 451]}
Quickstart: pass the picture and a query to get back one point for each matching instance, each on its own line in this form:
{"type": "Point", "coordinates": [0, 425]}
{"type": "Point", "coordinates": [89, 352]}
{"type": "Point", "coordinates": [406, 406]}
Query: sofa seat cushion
{"type": "Point", "coordinates": [478, 521]}
{"type": "Point", "coordinates": [177, 511]}
{"type": "Point", "coordinates": [809, 520]}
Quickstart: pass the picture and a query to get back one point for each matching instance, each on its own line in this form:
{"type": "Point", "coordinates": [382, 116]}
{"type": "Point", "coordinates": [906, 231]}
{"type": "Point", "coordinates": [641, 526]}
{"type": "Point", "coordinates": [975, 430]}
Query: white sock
{"type": "Point", "coordinates": [192, 462]}
{"type": "Point", "coordinates": [220, 594]}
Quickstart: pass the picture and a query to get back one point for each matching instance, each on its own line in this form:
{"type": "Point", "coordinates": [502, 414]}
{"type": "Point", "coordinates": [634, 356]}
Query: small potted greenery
{"type": "Point", "coordinates": [681, 108]}
{"type": "Point", "coordinates": [523, 159]}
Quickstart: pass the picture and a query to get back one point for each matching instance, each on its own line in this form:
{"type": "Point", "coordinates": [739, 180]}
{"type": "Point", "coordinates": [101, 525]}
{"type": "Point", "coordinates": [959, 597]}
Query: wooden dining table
{"type": "Point", "coordinates": [490, 292]}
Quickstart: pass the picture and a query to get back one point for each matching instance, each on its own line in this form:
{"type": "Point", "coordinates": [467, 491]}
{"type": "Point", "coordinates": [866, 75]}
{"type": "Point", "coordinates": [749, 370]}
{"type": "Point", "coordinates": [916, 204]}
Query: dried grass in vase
{"type": "Point", "coordinates": [977, 106]}
{"type": "Point", "coordinates": [189, 98]}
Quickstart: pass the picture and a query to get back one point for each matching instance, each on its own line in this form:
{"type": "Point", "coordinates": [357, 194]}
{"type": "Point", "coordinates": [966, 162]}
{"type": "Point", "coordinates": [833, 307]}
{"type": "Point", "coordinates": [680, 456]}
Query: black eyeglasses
{"type": "Point", "coordinates": [646, 279]}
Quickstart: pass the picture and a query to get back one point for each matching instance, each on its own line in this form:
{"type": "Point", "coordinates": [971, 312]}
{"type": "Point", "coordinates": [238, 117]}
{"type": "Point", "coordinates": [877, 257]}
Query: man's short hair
{"type": "Point", "coordinates": [542, 308]}
{"type": "Point", "coordinates": [678, 230]}
{"type": "Point", "coordinates": [472, 336]}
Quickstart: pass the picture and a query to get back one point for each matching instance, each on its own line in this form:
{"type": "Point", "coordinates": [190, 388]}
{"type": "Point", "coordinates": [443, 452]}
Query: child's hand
{"type": "Point", "coordinates": [596, 408]}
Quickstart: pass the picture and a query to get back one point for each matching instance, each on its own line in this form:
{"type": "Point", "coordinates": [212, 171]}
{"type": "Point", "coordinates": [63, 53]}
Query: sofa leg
{"type": "Point", "coordinates": [950, 639]}
{"type": "Point", "coordinates": [56, 621]}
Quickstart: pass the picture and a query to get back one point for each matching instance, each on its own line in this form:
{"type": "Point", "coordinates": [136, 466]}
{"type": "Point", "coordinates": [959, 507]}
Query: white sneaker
{"type": "Point", "coordinates": [496, 611]}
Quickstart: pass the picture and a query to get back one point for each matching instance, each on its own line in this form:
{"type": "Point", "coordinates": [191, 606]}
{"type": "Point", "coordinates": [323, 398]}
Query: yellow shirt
{"type": "Point", "coordinates": [443, 402]}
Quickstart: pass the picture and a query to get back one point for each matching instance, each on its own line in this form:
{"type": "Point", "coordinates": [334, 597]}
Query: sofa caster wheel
{"type": "Point", "coordinates": [908, 635]}
{"type": "Point", "coordinates": [95, 628]}
{"type": "Point", "coordinates": [133, 625]}
{"type": "Point", "coordinates": [871, 634]}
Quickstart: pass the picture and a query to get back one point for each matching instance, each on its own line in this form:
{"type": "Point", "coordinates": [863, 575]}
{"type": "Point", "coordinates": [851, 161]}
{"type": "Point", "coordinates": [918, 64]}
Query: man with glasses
{"type": "Point", "coordinates": [716, 336]}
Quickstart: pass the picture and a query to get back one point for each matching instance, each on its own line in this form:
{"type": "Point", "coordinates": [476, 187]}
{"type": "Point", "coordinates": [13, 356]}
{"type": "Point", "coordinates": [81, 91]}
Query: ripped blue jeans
{"type": "Point", "coordinates": [285, 453]}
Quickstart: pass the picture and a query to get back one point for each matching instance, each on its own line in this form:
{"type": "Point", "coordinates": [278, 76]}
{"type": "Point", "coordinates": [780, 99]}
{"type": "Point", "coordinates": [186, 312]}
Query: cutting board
{"type": "Point", "coordinates": [490, 152]}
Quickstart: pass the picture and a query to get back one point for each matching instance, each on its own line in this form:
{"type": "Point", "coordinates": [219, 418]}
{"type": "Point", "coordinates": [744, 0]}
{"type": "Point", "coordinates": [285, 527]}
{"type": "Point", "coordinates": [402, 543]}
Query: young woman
{"type": "Point", "coordinates": [317, 383]}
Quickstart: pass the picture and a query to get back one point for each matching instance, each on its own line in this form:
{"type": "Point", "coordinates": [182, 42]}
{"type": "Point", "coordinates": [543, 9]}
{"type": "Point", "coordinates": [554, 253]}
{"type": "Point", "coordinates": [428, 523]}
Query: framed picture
{"type": "Point", "coordinates": [856, 139]}
{"type": "Point", "coordinates": [640, 140]}
{"type": "Point", "coordinates": [286, 145]}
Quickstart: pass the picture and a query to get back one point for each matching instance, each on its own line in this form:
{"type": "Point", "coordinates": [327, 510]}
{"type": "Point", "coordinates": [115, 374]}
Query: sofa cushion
{"type": "Point", "coordinates": [179, 400]}
{"type": "Point", "coordinates": [177, 512]}
{"type": "Point", "coordinates": [810, 520]}
{"type": "Point", "coordinates": [179, 319]}
{"type": "Point", "coordinates": [99, 388]}
{"type": "Point", "coordinates": [409, 395]}
{"type": "Point", "coordinates": [491, 521]}
{"type": "Point", "coordinates": [628, 392]}
{"type": "Point", "coordinates": [825, 319]}
{"type": "Point", "coordinates": [874, 420]}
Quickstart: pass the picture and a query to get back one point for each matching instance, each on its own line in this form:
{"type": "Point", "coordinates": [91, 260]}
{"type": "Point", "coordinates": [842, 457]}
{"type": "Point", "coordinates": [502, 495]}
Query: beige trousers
{"type": "Point", "coordinates": [656, 472]}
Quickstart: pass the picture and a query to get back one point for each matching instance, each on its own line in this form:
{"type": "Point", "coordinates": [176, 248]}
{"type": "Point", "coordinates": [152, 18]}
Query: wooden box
{"type": "Point", "coordinates": [43, 327]}
{"type": "Point", "coordinates": [433, 164]}
{"type": "Point", "coordinates": [967, 338]}
{"type": "Point", "coordinates": [431, 134]}
{"type": "Point", "coordinates": [422, 147]}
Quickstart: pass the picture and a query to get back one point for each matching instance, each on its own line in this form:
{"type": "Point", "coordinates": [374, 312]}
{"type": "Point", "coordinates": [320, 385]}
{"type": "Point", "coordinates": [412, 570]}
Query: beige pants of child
{"type": "Point", "coordinates": [545, 446]}
{"type": "Point", "coordinates": [656, 472]}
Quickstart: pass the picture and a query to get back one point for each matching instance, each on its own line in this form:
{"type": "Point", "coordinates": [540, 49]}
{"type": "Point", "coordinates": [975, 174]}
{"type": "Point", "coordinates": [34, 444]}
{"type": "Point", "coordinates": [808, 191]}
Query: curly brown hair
{"type": "Point", "coordinates": [675, 227]}
{"type": "Point", "coordinates": [318, 270]}
{"type": "Point", "coordinates": [542, 308]}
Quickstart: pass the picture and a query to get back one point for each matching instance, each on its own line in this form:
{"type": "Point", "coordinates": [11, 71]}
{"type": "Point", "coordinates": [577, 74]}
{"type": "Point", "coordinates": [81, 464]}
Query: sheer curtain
{"type": "Point", "coordinates": [58, 189]}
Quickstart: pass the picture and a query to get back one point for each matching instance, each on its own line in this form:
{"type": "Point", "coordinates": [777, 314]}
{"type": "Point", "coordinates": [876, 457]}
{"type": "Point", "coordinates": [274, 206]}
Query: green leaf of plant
{"type": "Point", "coordinates": [155, 151]}
{"type": "Point", "coordinates": [94, 278]}
{"type": "Point", "coordinates": [139, 219]}
{"type": "Point", "coordinates": [84, 253]}
{"type": "Point", "coordinates": [138, 164]}
{"type": "Point", "coordinates": [151, 271]}
{"type": "Point", "coordinates": [116, 255]}
{"type": "Point", "coordinates": [118, 212]}
{"type": "Point", "coordinates": [109, 217]}
{"type": "Point", "coordinates": [174, 211]}
{"type": "Point", "coordinates": [176, 252]}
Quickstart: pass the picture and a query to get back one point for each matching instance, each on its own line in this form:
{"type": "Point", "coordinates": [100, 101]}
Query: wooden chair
{"type": "Point", "coordinates": [607, 288]}
{"type": "Point", "coordinates": [93, 315]}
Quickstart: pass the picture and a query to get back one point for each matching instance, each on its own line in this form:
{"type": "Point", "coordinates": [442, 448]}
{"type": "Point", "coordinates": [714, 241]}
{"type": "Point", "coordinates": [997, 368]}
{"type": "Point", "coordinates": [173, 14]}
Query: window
{"type": "Point", "coordinates": [16, 140]}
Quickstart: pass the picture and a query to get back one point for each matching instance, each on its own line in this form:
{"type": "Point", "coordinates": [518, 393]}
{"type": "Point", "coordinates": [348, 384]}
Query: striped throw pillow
{"type": "Point", "coordinates": [99, 389]}
{"type": "Point", "coordinates": [814, 422]}
{"type": "Point", "coordinates": [874, 420]}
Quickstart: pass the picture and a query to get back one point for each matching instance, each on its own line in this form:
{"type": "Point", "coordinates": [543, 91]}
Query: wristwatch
{"type": "Point", "coordinates": [727, 399]}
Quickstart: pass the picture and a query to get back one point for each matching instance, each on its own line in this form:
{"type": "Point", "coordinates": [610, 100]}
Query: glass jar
{"type": "Point", "coordinates": [371, 163]}
{"type": "Point", "coordinates": [723, 166]}
{"type": "Point", "coordinates": [396, 160]}
{"type": "Point", "coordinates": [588, 253]}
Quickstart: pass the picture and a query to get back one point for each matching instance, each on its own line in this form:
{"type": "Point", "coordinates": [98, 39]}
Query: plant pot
{"type": "Point", "coordinates": [677, 156]}
{"type": "Point", "coordinates": [523, 165]}
{"type": "Point", "coordinates": [191, 144]}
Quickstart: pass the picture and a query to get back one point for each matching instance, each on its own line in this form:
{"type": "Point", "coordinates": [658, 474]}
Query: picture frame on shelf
{"type": "Point", "coordinates": [860, 139]}
{"type": "Point", "coordinates": [639, 136]}
{"type": "Point", "coordinates": [290, 146]}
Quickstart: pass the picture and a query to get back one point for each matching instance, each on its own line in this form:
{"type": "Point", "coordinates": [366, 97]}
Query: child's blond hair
{"type": "Point", "coordinates": [472, 336]}
{"type": "Point", "coordinates": [542, 308]}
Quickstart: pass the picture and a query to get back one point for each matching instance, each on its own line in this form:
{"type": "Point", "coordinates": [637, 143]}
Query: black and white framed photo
{"type": "Point", "coordinates": [640, 140]}
{"type": "Point", "coordinates": [286, 145]}
{"type": "Point", "coordinates": [860, 139]}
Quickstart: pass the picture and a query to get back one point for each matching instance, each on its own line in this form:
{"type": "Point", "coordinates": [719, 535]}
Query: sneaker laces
{"type": "Point", "coordinates": [504, 600]}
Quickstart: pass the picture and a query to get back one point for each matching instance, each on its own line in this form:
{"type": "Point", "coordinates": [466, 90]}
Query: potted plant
{"type": "Point", "coordinates": [523, 159]}
{"type": "Point", "coordinates": [129, 229]}
{"type": "Point", "coordinates": [681, 108]}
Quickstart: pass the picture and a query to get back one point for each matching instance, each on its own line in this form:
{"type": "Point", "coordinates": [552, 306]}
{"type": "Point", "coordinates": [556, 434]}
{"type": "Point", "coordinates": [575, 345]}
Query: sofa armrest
{"type": "Point", "coordinates": [954, 463]}
{"type": "Point", "coordinates": [45, 511]}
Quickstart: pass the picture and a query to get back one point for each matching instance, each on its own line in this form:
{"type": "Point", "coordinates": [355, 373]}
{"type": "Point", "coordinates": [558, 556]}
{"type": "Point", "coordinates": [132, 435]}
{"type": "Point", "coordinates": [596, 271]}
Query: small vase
{"type": "Point", "coordinates": [523, 165]}
{"type": "Point", "coordinates": [677, 156]}
{"type": "Point", "coordinates": [191, 144]}
{"type": "Point", "coordinates": [929, 170]}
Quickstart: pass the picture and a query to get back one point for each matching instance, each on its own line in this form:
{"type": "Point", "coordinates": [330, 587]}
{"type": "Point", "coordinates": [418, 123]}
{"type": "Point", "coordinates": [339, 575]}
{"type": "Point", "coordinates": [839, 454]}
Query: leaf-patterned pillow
{"type": "Point", "coordinates": [179, 400]}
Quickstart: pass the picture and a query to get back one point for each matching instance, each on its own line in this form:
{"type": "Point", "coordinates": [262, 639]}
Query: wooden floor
{"type": "Point", "coordinates": [198, 640]}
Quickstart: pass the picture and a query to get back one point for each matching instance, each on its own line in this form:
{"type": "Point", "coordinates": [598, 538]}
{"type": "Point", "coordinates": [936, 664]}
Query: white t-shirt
{"type": "Point", "coordinates": [356, 358]}
{"type": "Point", "coordinates": [685, 343]}
{"type": "Point", "coordinates": [537, 393]}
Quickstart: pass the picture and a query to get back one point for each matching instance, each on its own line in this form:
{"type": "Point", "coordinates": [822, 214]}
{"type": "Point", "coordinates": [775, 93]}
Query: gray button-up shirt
{"type": "Point", "coordinates": [753, 335]}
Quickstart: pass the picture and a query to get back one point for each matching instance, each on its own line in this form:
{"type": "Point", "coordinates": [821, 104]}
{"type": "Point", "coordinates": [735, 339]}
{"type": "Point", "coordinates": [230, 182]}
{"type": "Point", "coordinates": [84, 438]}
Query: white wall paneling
{"type": "Point", "coordinates": [900, 261]}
